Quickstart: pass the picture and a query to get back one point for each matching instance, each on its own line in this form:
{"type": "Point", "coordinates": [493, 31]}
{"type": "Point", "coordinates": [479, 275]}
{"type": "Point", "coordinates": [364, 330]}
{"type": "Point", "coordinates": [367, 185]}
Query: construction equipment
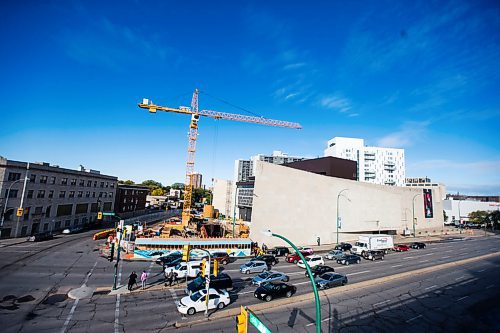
{"type": "Point", "coordinates": [193, 134]}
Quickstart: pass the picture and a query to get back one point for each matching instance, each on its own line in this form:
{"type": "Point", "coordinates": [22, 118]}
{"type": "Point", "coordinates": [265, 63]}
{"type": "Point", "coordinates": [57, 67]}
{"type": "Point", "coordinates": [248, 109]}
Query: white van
{"type": "Point", "coordinates": [191, 269]}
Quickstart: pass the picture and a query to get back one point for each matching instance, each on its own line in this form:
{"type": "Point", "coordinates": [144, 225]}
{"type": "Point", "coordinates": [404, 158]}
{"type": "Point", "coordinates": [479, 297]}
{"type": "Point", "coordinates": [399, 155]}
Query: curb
{"type": "Point", "coordinates": [102, 290]}
{"type": "Point", "coordinates": [333, 291]}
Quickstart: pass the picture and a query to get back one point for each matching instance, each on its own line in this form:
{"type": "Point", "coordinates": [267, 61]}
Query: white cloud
{"type": "Point", "coordinates": [294, 65]}
{"type": "Point", "coordinates": [335, 102]}
{"type": "Point", "coordinates": [410, 133]}
{"type": "Point", "coordinates": [292, 95]}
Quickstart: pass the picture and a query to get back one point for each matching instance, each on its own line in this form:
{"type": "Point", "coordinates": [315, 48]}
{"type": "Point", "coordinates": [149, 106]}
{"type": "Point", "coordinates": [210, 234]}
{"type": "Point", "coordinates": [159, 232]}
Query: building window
{"type": "Point", "coordinates": [57, 225]}
{"type": "Point", "coordinates": [38, 210]}
{"type": "Point", "coordinates": [80, 194]}
{"type": "Point", "coordinates": [53, 180]}
{"type": "Point", "coordinates": [51, 194]}
{"type": "Point", "coordinates": [64, 181]}
{"type": "Point", "coordinates": [87, 194]}
{"type": "Point", "coordinates": [43, 179]}
{"type": "Point", "coordinates": [62, 194]}
{"type": "Point", "coordinates": [105, 194]}
{"type": "Point", "coordinates": [95, 183]}
{"type": "Point", "coordinates": [100, 194]}
{"type": "Point", "coordinates": [112, 185]}
{"type": "Point", "coordinates": [82, 182]}
{"type": "Point", "coordinates": [47, 212]}
{"type": "Point", "coordinates": [26, 213]}
{"type": "Point", "coordinates": [73, 182]}
{"type": "Point", "coordinates": [14, 176]}
{"type": "Point", "coordinates": [32, 178]}
{"type": "Point", "coordinates": [72, 194]}
{"type": "Point", "coordinates": [93, 194]}
{"type": "Point", "coordinates": [76, 221]}
{"type": "Point", "coordinates": [89, 183]}
{"type": "Point", "coordinates": [40, 194]}
{"type": "Point", "coordinates": [102, 184]}
{"type": "Point", "coordinates": [67, 223]}
{"type": "Point", "coordinates": [110, 194]}
{"type": "Point", "coordinates": [30, 194]}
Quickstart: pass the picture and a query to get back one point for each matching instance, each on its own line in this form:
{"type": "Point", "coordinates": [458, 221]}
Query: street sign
{"type": "Point", "coordinates": [252, 318]}
{"type": "Point", "coordinates": [108, 214]}
{"type": "Point", "coordinates": [19, 212]}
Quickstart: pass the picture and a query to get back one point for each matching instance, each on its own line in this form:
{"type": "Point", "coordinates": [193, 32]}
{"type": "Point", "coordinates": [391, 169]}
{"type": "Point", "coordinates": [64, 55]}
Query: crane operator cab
{"type": "Point", "coordinates": [194, 120]}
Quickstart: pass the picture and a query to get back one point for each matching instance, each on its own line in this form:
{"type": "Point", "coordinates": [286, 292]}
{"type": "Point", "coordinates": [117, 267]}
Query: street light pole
{"type": "Point", "coordinates": [6, 203]}
{"type": "Point", "coordinates": [413, 213]}
{"type": "Point", "coordinates": [338, 198]}
{"type": "Point", "coordinates": [22, 196]}
{"type": "Point", "coordinates": [311, 277]}
{"type": "Point", "coordinates": [234, 207]}
{"type": "Point", "coordinates": [459, 217]}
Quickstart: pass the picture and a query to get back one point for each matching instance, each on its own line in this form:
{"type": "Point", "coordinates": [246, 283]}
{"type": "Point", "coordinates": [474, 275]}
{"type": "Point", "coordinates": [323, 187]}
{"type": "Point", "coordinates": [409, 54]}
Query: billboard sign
{"type": "Point", "coordinates": [428, 210]}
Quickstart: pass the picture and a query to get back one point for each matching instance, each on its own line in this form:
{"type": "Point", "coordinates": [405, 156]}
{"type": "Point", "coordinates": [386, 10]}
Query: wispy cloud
{"type": "Point", "coordinates": [296, 65]}
{"type": "Point", "coordinates": [336, 102]}
{"type": "Point", "coordinates": [410, 133]}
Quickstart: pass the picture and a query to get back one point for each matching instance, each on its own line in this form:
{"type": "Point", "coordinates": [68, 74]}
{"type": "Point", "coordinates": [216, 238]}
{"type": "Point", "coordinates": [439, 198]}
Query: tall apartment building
{"type": "Point", "coordinates": [244, 169]}
{"type": "Point", "coordinates": [54, 198]}
{"type": "Point", "coordinates": [385, 166]}
{"type": "Point", "coordinates": [197, 180]}
{"type": "Point", "coordinates": [223, 196]}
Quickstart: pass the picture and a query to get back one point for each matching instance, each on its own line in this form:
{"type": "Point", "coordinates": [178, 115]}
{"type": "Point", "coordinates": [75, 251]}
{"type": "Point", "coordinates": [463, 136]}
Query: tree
{"type": "Point", "coordinates": [478, 217]}
{"type": "Point", "coordinates": [445, 217]}
{"type": "Point", "coordinates": [178, 186]}
{"type": "Point", "coordinates": [152, 184]}
{"type": "Point", "coordinates": [126, 182]}
{"type": "Point", "coordinates": [158, 191]}
{"type": "Point", "coordinates": [495, 218]}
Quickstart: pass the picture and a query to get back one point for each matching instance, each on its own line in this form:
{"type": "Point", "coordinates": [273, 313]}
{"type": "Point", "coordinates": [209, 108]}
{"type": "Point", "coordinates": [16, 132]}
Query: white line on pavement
{"type": "Point", "coordinates": [174, 295]}
{"type": "Point", "coordinates": [247, 292]}
{"type": "Point", "coordinates": [358, 273]}
{"type": "Point", "coordinates": [448, 251]}
{"type": "Point", "coordinates": [434, 286]}
{"type": "Point", "coordinates": [445, 257]}
{"type": "Point", "coordinates": [461, 298]}
{"type": "Point", "coordinates": [423, 260]}
{"type": "Point", "coordinates": [409, 257]}
{"type": "Point", "coordinates": [89, 274]}
{"type": "Point", "coordinates": [460, 278]}
{"type": "Point", "coordinates": [117, 313]}
{"type": "Point", "coordinates": [396, 266]}
{"type": "Point", "coordinates": [481, 270]}
{"type": "Point", "coordinates": [380, 303]}
{"type": "Point", "coordinates": [490, 286]}
{"type": "Point", "coordinates": [70, 315]}
{"type": "Point", "coordinates": [428, 254]}
{"type": "Point", "coordinates": [412, 319]}
{"type": "Point", "coordinates": [471, 280]}
{"type": "Point", "coordinates": [310, 324]}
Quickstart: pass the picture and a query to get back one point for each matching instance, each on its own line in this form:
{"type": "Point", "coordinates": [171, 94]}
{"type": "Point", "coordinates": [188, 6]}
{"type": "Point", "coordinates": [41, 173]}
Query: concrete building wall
{"type": "Point", "coordinates": [457, 210]}
{"type": "Point", "coordinates": [302, 205]}
{"type": "Point", "coordinates": [223, 194]}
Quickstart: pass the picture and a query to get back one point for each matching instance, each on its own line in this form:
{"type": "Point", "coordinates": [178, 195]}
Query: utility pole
{"type": "Point", "coordinates": [22, 197]}
{"type": "Point", "coordinates": [122, 225]}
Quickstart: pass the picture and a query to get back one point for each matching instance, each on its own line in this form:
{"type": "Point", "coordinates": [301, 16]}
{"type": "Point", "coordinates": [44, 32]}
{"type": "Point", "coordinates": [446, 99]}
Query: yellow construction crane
{"type": "Point", "coordinates": [193, 133]}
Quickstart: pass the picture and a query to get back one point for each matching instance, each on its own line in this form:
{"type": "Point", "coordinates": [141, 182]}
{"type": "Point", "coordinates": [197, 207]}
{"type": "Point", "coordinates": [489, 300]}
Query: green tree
{"type": "Point", "coordinates": [152, 184]}
{"type": "Point", "coordinates": [494, 218]}
{"type": "Point", "coordinates": [126, 182]}
{"type": "Point", "coordinates": [158, 191]}
{"type": "Point", "coordinates": [478, 217]}
{"type": "Point", "coordinates": [178, 186]}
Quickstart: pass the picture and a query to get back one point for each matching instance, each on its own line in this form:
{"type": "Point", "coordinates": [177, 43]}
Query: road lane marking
{"type": "Point", "coordinates": [490, 286]}
{"type": "Point", "coordinates": [174, 295]}
{"type": "Point", "coordinates": [471, 280]}
{"type": "Point", "coordinates": [248, 292]}
{"type": "Point", "coordinates": [70, 314]}
{"type": "Point", "coordinates": [481, 270]}
{"type": "Point", "coordinates": [409, 257]}
{"type": "Point", "coordinates": [448, 251]}
{"type": "Point", "coordinates": [434, 286]}
{"type": "Point", "coordinates": [89, 274]}
{"type": "Point", "coordinates": [423, 296]}
{"type": "Point", "coordinates": [461, 298]}
{"type": "Point", "coordinates": [310, 324]}
{"type": "Point", "coordinates": [117, 313]}
{"type": "Point", "coordinates": [412, 319]}
{"type": "Point", "coordinates": [350, 274]}
{"type": "Point", "coordinates": [380, 303]}
{"type": "Point", "coordinates": [445, 257]}
{"type": "Point", "coordinates": [396, 266]}
{"type": "Point", "coordinates": [428, 254]}
{"type": "Point", "coordinates": [423, 260]}
{"type": "Point", "coordinates": [460, 278]}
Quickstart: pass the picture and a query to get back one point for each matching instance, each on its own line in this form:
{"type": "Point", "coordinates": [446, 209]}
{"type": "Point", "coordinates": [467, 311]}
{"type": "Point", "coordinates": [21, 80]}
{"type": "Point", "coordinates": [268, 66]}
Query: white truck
{"type": "Point", "coordinates": [191, 269]}
{"type": "Point", "coordinates": [373, 243]}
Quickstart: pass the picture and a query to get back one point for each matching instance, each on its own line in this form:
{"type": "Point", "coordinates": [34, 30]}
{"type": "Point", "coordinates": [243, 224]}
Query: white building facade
{"type": "Point", "coordinates": [244, 169]}
{"type": "Point", "coordinates": [459, 210]}
{"type": "Point", "coordinates": [223, 196]}
{"type": "Point", "coordinates": [377, 165]}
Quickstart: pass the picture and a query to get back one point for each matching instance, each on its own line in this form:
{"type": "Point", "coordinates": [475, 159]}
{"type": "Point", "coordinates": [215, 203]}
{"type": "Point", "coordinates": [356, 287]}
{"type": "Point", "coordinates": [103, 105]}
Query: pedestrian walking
{"type": "Point", "coordinates": [170, 278]}
{"type": "Point", "coordinates": [132, 279]}
{"type": "Point", "coordinates": [144, 278]}
{"type": "Point", "coordinates": [318, 240]}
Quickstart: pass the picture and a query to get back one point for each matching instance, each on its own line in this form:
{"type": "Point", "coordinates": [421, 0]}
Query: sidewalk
{"type": "Point", "coordinates": [12, 241]}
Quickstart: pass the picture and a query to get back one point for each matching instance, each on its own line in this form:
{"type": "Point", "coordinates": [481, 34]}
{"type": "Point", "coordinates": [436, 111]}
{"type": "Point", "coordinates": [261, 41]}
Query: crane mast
{"type": "Point", "coordinates": [193, 134]}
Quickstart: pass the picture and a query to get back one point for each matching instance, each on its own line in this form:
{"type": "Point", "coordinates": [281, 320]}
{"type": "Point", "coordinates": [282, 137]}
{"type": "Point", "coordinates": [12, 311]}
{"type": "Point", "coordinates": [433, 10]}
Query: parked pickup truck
{"type": "Point", "coordinates": [372, 243]}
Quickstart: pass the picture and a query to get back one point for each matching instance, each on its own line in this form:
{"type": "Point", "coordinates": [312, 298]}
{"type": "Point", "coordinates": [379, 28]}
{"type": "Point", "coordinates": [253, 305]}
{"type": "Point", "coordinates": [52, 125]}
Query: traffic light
{"type": "Point", "coordinates": [185, 252]}
{"type": "Point", "coordinates": [242, 321]}
{"type": "Point", "coordinates": [203, 267]}
{"type": "Point", "coordinates": [99, 215]}
{"type": "Point", "coordinates": [216, 268]}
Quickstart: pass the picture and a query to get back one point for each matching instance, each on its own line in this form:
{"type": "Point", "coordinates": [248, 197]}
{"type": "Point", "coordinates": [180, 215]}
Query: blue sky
{"type": "Point", "coordinates": [423, 76]}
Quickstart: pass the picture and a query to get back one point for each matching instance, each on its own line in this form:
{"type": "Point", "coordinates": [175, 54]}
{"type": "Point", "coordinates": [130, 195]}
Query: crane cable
{"type": "Point", "coordinates": [231, 104]}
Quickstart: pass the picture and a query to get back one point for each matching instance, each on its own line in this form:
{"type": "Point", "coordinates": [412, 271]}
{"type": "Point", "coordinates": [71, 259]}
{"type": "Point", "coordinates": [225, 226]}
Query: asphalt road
{"type": "Point", "coordinates": [35, 278]}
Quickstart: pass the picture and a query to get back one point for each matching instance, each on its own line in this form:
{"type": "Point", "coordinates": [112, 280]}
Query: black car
{"type": "Point", "coordinates": [417, 245]}
{"type": "Point", "coordinates": [319, 270]}
{"type": "Point", "coordinates": [41, 236]}
{"type": "Point", "coordinates": [271, 290]}
{"type": "Point", "coordinates": [329, 280]}
{"type": "Point", "coordinates": [221, 281]}
{"type": "Point", "coordinates": [373, 255]}
{"type": "Point", "coordinates": [343, 247]}
{"type": "Point", "coordinates": [169, 260]}
{"type": "Point", "coordinates": [278, 251]}
{"type": "Point", "coordinates": [349, 259]}
{"type": "Point", "coordinates": [269, 259]}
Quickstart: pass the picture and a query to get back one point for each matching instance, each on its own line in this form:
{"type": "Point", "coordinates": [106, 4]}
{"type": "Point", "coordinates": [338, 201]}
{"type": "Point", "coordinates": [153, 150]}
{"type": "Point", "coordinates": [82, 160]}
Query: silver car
{"type": "Point", "coordinates": [257, 266]}
{"type": "Point", "coordinates": [334, 254]}
{"type": "Point", "coordinates": [268, 277]}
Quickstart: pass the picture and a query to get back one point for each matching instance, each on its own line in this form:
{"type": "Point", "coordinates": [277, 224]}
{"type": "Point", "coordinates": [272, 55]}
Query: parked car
{"type": "Point", "coordinates": [312, 261]}
{"type": "Point", "coordinates": [374, 255]}
{"type": "Point", "coordinates": [278, 251]}
{"type": "Point", "coordinates": [170, 259]}
{"type": "Point", "coordinates": [221, 281]}
{"type": "Point", "coordinates": [417, 245]}
{"type": "Point", "coordinates": [269, 276]}
{"type": "Point", "coordinates": [41, 236]}
{"type": "Point", "coordinates": [221, 257]}
{"type": "Point", "coordinates": [294, 257]}
{"type": "Point", "coordinates": [269, 259]}
{"type": "Point", "coordinates": [349, 259]}
{"type": "Point", "coordinates": [254, 266]}
{"type": "Point", "coordinates": [334, 254]}
{"type": "Point", "coordinates": [197, 301]}
{"type": "Point", "coordinates": [306, 249]}
{"type": "Point", "coordinates": [269, 291]}
{"type": "Point", "coordinates": [343, 247]}
{"type": "Point", "coordinates": [329, 280]}
{"type": "Point", "coordinates": [320, 270]}
{"type": "Point", "coordinates": [401, 247]}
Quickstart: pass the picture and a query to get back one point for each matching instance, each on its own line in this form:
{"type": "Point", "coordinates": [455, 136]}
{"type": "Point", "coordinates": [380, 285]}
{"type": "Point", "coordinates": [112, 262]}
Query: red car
{"type": "Point", "coordinates": [294, 257]}
{"type": "Point", "coordinates": [401, 247]}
